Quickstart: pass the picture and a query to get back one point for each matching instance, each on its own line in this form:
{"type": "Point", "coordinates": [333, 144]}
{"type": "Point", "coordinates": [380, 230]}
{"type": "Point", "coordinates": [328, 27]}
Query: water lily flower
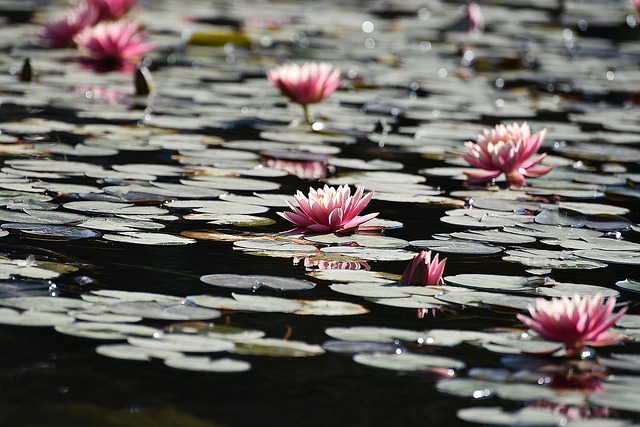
{"type": "Point", "coordinates": [574, 322]}
{"type": "Point", "coordinates": [424, 271]}
{"type": "Point", "coordinates": [60, 32]}
{"type": "Point", "coordinates": [307, 84]}
{"type": "Point", "coordinates": [475, 19]}
{"type": "Point", "coordinates": [303, 170]}
{"type": "Point", "coordinates": [329, 209]}
{"type": "Point", "coordinates": [113, 45]}
{"type": "Point", "coordinates": [506, 149]}
{"type": "Point", "coordinates": [111, 10]}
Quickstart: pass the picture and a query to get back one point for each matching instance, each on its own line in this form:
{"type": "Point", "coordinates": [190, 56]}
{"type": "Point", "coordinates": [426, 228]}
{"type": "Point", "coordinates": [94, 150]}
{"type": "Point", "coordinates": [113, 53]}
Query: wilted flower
{"type": "Point", "coordinates": [60, 32]}
{"type": "Point", "coordinates": [111, 10]}
{"type": "Point", "coordinates": [575, 322]}
{"type": "Point", "coordinates": [506, 149]}
{"type": "Point", "coordinates": [329, 209]}
{"type": "Point", "coordinates": [113, 45]}
{"type": "Point", "coordinates": [423, 271]}
{"type": "Point", "coordinates": [307, 84]}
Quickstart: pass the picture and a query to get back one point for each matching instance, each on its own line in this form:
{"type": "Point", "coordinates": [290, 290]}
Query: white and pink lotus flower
{"type": "Point", "coordinates": [507, 149]}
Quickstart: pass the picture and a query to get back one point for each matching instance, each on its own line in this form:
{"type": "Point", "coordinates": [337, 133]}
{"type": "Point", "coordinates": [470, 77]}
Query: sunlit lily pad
{"type": "Point", "coordinates": [140, 238]}
{"type": "Point", "coordinates": [206, 364]}
{"type": "Point", "coordinates": [456, 246]}
{"type": "Point", "coordinates": [407, 361]}
{"type": "Point", "coordinates": [53, 232]}
{"type": "Point", "coordinates": [154, 310]}
{"type": "Point", "coordinates": [561, 260]}
{"type": "Point", "coordinates": [532, 417]}
{"type": "Point", "coordinates": [365, 241]}
{"type": "Point", "coordinates": [629, 285]}
{"type": "Point", "coordinates": [106, 331]}
{"type": "Point", "coordinates": [610, 256]}
{"type": "Point", "coordinates": [471, 388]}
{"type": "Point", "coordinates": [275, 347]}
{"type": "Point", "coordinates": [253, 282]}
{"type": "Point", "coordinates": [46, 304]}
{"type": "Point", "coordinates": [9, 316]}
{"type": "Point", "coordinates": [131, 352]}
{"type": "Point", "coordinates": [495, 282]}
{"type": "Point", "coordinates": [188, 343]}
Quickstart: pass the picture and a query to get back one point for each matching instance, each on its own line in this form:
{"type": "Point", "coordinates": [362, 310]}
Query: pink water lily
{"type": "Point", "coordinates": [61, 31]}
{"type": "Point", "coordinates": [111, 10]}
{"type": "Point", "coordinates": [329, 209]}
{"type": "Point", "coordinates": [475, 19]}
{"type": "Point", "coordinates": [306, 84]}
{"type": "Point", "coordinates": [424, 271]}
{"type": "Point", "coordinates": [114, 45]}
{"type": "Point", "coordinates": [506, 149]}
{"type": "Point", "coordinates": [575, 322]}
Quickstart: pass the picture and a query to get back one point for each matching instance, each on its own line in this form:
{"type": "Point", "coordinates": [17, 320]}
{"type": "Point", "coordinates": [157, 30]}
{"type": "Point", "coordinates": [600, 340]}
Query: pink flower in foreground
{"type": "Point", "coordinates": [113, 45]}
{"type": "Point", "coordinates": [307, 84]}
{"type": "Point", "coordinates": [575, 322]}
{"type": "Point", "coordinates": [329, 209]}
{"type": "Point", "coordinates": [506, 149]}
{"type": "Point", "coordinates": [60, 32]}
{"type": "Point", "coordinates": [111, 10]}
{"type": "Point", "coordinates": [423, 271]}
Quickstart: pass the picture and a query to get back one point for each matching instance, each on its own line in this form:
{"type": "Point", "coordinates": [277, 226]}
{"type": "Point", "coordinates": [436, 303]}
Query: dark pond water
{"type": "Point", "coordinates": [112, 211]}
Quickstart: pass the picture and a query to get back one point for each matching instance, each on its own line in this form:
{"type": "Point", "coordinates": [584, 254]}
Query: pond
{"type": "Point", "coordinates": [149, 274]}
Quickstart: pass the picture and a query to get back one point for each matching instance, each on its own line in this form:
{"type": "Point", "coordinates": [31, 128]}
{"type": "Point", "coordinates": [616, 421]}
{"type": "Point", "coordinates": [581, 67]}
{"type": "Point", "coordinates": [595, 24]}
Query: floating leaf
{"type": "Point", "coordinates": [407, 361]}
{"type": "Point", "coordinates": [9, 316]}
{"type": "Point", "coordinates": [253, 282]}
{"type": "Point", "coordinates": [106, 331]}
{"type": "Point", "coordinates": [154, 310]}
{"type": "Point", "coordinates": [206, 364]}
{"type": "Point", "coordinates": [275, 347]}
{"type": "Point", "coordinates": [187, 343]}
{"type": "Point", "coordinates": [131, 352]}
{"type": "Point", "coordinates": [53, 232]}
{"type": "Point", "coordinates": [531, 417]}
{"type": "Point", "coordinates": [153, 239]}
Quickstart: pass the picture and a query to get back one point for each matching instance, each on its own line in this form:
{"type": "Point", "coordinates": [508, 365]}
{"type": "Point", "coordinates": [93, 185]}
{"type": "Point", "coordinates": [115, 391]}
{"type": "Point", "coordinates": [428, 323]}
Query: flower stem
{"type": "Point", "coordinates": [307, 115]}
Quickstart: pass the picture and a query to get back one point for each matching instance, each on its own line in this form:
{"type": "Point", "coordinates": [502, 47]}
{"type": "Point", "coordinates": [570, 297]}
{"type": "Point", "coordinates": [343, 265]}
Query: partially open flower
{"type": "Point", "coordinates": [575, 322]}
{"type": "Point", "coordinates": [506, 149]}
{"type": "Point", "coordinates": [60, 32]}
{"type": "Point", "coordinates": [329, 209]}
{"type": "Point", "coordinates": [424, 271]}
{"type": "Point", "coordinates": [307, 84]}
{"type": "Point", "coordinates": [113, 46]}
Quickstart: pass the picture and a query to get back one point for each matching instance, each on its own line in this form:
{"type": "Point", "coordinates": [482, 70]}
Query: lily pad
{"type": "Point", "coordinates": [253, 282]}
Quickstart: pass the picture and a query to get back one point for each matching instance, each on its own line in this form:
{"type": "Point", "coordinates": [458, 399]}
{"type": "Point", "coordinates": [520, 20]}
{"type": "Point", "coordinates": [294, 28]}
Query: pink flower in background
{"type": "Point", "coordinates": [60, 32]}
{"type": "Point", "coordinates": [111, 10]}
{"type": "Point", "coordinates": [303, 170]}
{"type": "Point", "coordinates": [424, 271]}
{"type": "Point", "coordinates": [506, 149]}
{"type": "Point", "coordinates": [475, 19]}
{"type": "Point", "coordinates": [329, 209]}
{"type": "Point", "coordinates": [113, 45]}
{"type": "Point", "coordinates": [575, 322]}
{"type": "Point", "coordinates": [307, 84]}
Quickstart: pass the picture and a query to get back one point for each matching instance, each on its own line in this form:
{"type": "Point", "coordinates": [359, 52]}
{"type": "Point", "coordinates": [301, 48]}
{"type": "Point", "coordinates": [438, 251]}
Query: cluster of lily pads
{"type": "Point", "coordinates": [65, 178]}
